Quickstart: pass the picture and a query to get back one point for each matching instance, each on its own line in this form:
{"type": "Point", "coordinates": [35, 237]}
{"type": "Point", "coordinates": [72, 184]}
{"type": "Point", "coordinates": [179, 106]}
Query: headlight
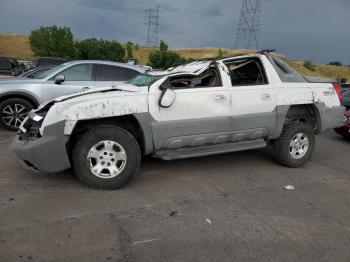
{"type": "Point", "coordinates": [36, 117]}
{"type": "Point", "coordinates": [30, 128]}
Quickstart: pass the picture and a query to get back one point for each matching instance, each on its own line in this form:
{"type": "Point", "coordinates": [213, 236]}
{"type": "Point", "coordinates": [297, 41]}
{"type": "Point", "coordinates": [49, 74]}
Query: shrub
{"type": "Point", "coordinates": [309, 65]}
{"type": "Point", "coordinates": [52, 41]}
{"type": "Point", "coordinates": [99, 49]}
{"type": "Point", "coordinates": [221, 53]}
{"type": "Point", "coordinates": [129, 48]}
{"type": "Point", "coordinates": [335, 63]}
{"type": "Point", "coordinates": [163, 59]}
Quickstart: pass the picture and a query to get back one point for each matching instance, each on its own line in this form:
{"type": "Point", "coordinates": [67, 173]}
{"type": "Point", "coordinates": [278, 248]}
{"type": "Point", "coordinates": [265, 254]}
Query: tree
{"type": "Point", "coordinates": [163, 46]}
{"type": "Point", "coordinates": [52, 41]}
{"type": "Point", "coordinates": [99, 49]}
{"type": "Point", "coordinates": [163, 59]}
{"type": "Point", "coordinates": [129, 48]}
{"type": "Point", "coordinates": [335, 63]}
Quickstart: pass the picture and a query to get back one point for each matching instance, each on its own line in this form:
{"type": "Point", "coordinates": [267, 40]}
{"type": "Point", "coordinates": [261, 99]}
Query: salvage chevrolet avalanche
{"type": "Point", "coordinates": [197, 109]}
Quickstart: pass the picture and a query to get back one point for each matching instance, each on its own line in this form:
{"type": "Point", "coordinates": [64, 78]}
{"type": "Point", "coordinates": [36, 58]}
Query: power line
{"type": "Point", "coordinates": [152, 24]}
{"type": "Point", "coordinates": [247, 35]}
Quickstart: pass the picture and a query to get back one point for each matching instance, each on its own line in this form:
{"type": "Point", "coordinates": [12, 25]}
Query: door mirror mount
{"type": "Point", "coordinates": [59, 79]}
{"type": "Point", "coordinates": [167, 98]}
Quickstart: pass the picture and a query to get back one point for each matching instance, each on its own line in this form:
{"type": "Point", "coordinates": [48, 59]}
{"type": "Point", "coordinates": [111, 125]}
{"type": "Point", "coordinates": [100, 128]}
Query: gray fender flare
{"type": "Point", "coordinates": [145, 121]}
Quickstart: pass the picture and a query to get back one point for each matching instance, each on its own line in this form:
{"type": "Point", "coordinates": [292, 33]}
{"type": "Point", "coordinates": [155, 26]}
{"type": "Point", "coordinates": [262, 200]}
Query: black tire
{"type": "Point", "coordinates": [11, 102]}
{"type": "Point", "coordinates": [281, 146]}
{"type": "Point", "coordinates": [346, 137]}
{"type": "Point", "coordinates": [81, 164]}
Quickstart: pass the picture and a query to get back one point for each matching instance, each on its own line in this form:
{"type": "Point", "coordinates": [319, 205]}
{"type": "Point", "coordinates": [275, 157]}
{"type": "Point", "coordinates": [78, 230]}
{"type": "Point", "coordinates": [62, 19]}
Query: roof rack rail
{"type": "Point", "coordinates": [266, 51]}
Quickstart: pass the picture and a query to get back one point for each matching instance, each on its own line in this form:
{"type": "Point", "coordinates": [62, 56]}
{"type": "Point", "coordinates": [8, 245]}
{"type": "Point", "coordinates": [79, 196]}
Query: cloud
{"type": "Point", "coordinates": [313, 29]}
{"type": "Point", "coordinates": [114, 5]}
{"type": "Point", "coordinates": [211, 11]}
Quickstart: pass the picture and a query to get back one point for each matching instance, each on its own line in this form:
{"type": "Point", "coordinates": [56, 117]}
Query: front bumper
{"type": "Point", "coordinates": [46, 154]}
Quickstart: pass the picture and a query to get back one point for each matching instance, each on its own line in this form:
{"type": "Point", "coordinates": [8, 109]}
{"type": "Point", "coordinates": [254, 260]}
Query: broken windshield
{"type": "Point", "coordinates": [143, 80]}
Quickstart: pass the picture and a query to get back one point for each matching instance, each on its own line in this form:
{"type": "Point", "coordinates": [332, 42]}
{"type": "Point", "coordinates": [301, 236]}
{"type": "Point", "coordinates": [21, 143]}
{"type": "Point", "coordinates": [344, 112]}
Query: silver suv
{"type": "Point", "coordinates": [19, 95]}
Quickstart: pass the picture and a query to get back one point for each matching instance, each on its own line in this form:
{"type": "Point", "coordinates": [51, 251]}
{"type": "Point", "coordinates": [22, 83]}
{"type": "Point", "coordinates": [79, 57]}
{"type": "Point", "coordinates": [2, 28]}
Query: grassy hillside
{"type": "Point", "coordinates": [18, 46]}
{"type": "Point", "coordinates": [15, 45]}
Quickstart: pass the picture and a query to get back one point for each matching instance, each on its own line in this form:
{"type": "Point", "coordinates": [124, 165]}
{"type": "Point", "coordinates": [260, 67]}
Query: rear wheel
{"type": "Point", "coordinates": [346, 136]}
{"type": "Point", "coordinates": [106, 157]}
{"type": "Point", "coordinates": [13, 111]}
{"type": "Point", "coordinates": [295, 146]}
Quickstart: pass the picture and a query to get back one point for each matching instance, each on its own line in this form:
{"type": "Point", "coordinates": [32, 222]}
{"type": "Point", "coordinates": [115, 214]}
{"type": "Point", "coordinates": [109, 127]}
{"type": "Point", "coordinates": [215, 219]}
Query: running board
{"type": "Point", "coordinates": [208, 150]}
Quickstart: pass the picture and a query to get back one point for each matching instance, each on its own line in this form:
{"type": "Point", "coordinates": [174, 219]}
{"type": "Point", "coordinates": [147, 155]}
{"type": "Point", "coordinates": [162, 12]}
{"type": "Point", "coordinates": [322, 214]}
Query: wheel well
{"type": "Point", "coordinates": [128, 122]}
{"type": "Point", "coordinates": [31, 100]}
{"type": "Point", "coordinates": [304, 113]}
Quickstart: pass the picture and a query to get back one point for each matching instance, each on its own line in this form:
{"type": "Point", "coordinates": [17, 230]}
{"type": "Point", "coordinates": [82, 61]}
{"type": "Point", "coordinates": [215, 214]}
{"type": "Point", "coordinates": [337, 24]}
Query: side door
{"type": "Point", "coordinates": [199, 115]}
{"type": "Point", "coordinates": [77, 78]}
{"type": "Point", "coordinates": [253, 111]}
{"type": "Point", "coordinates": [109, 75]}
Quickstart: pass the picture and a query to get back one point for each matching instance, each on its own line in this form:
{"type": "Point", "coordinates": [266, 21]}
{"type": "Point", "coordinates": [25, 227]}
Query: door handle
{"type": "Point", "coordinates": [86, 88]}
{"type": "Point", "coordinates": [266, 97]}
{"type": "Point", "coordinates": [220, 98]}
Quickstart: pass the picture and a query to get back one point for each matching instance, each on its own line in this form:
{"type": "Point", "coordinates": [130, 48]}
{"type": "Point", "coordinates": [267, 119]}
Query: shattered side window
{"type": "Point", "coordinates": [143, 80]}
{"type": "Point", "coordinates": [209, 78]}
{"type": "Point", "coordinates": [246, 72]}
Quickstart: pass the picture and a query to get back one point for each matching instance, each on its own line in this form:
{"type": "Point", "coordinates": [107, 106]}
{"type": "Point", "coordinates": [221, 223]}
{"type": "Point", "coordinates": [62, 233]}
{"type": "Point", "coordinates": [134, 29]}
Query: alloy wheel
{"type": "Point", "coordinates": [299, 146]}
{"type": "Point", "coordinates": [107, 159]}
{"type": "Point", "coordinates": [13, 115]}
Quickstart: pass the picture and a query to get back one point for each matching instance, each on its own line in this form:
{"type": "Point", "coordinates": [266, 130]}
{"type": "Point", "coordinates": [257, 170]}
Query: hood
{"type": "Point", "coordinates": [120, 87]}
{"type": "Point", "coordinates": [19, 80]}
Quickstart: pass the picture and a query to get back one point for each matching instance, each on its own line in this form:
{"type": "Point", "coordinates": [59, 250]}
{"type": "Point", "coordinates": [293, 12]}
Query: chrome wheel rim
{"type": "Point", "coordinates": [299, 146]}
{"type": "Point", "coordinates": [13, 115]}
{"type": "Point", "coordinates": [107, 159]}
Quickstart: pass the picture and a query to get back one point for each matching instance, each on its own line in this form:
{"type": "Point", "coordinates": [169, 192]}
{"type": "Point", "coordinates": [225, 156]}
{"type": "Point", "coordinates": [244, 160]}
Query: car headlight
{"type": "Point", "coordinates": [30, 128]}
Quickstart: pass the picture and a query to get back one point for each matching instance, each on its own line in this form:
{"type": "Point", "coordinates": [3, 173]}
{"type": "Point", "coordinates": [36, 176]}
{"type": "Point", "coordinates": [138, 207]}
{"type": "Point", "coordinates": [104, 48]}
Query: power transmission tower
{"type": "Point", "coordinates": [152, 24]}
{"type": "Point", "coordinates": [249, 25]}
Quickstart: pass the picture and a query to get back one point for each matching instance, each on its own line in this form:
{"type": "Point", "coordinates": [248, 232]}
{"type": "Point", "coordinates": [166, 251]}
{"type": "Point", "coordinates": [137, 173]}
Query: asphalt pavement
{"type": "Point", "coordinates": [230, 207]}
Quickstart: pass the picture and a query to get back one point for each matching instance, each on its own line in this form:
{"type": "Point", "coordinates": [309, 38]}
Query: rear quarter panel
{"type": "Point", "coordinates": [307, 93]}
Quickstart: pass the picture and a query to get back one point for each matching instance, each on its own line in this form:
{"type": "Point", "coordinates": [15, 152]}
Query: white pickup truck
{"type": "Point", "coordinates": [197, 109]}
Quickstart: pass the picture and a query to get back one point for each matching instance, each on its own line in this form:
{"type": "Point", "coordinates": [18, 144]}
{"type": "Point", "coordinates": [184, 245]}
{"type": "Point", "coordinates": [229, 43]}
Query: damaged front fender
{"type": "Point", "coordinates": [96, 106]}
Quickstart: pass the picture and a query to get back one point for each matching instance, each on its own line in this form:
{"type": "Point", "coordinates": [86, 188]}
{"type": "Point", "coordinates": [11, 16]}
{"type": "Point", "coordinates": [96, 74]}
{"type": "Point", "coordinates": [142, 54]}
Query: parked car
{"type": "Point", "coordinates": [9, 66]}
{"type": "Point", "coordinates": [49, 61]}
{"type": "Point", "coordinates": [344, 131]}
{"type": "Point", "coordinates": [36, 71]}
{"type": "Point", "coordinates": [18, 96]}
{"type": "Point", "coordinates": [346, 99]}
{"type": "Point", "coordinates": [26, 65]}
{"type": "Point", "coordinates": [197, 109]}
{"type": "Point", "coordinates": [345, 87]}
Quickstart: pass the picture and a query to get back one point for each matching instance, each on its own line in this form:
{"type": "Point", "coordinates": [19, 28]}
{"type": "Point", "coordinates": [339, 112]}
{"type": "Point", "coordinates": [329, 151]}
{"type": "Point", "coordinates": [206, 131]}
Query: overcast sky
{"type": "Point", "coordinates": [302, 29]}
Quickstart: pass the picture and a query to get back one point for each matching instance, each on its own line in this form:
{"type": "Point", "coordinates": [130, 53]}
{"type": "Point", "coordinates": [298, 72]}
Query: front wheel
{"type": "Point", "coordinates": [106, 157]}
{"type": "Point", "coordinates": [295, 146]}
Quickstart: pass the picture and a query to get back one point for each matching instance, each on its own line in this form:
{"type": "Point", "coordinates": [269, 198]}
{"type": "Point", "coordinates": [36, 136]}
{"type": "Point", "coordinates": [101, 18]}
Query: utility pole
{"type": "Point", "coordinates": [247, 35]}
{"type": "Point", "coordinates": [152, 24]}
